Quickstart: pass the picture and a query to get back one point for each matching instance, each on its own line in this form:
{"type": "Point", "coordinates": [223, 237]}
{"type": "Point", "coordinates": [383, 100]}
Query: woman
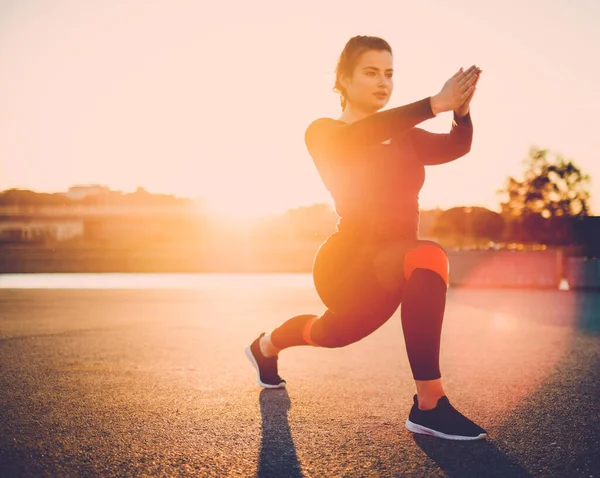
{"type": "Point", "coordinates": [373, 164]}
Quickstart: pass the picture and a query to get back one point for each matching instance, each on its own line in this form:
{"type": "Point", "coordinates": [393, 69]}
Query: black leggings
{"type": "Point", "coordinates": [362, 284]}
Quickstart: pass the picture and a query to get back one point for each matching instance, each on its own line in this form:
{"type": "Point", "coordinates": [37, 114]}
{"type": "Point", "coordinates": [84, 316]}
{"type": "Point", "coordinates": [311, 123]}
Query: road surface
{"type": "Point", "coordinates": [154, 382]}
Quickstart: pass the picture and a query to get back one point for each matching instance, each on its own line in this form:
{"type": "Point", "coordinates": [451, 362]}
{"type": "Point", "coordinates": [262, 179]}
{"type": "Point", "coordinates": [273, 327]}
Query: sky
{"type": "Point", "coordinates": [210, 100]}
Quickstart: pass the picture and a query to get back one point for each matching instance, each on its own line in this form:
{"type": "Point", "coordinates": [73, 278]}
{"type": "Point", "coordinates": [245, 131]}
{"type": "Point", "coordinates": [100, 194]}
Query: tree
{"type": "Point", "coordinates": [26, 197]}
{"type": "Point", "coordinates": [487, 224]}
{"type": "Point", "coordinates": [540, 207]}
{"type": "Point", "coordinates": [470, 222]}
{"type": "Point", "coordinates": [549, 188]}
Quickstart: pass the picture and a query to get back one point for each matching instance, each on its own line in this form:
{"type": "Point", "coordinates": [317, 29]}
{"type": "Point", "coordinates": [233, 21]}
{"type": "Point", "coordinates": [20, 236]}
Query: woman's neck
{"type": "Point", "coordinates": [352, 114]}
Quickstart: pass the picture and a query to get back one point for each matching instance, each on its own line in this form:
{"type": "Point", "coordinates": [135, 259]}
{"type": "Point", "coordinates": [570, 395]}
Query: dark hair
{"type": "Point", "coordinates": [354, 48]}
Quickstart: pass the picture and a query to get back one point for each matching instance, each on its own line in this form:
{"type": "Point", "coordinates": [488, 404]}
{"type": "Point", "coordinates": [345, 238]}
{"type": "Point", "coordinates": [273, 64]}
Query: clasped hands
{"type": "Point", "coordinates": [457, 92]}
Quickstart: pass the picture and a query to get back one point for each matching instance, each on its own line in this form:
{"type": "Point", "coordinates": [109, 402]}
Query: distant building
{"type": "Point", "coordinates": [85, 190]}
{"type": "Point", "coordinates": [40, 231]}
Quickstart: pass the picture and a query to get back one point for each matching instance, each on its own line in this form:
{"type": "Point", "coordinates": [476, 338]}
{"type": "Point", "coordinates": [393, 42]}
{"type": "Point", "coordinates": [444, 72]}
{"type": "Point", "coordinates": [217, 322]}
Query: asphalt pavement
{"type": "Point", "coordinates": [154, 382]}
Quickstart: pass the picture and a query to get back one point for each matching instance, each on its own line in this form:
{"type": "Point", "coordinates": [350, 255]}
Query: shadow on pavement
{"type": "Point", "coordinates": [277, 451]}
{"type": "Point", "coordinates": [481, 458]}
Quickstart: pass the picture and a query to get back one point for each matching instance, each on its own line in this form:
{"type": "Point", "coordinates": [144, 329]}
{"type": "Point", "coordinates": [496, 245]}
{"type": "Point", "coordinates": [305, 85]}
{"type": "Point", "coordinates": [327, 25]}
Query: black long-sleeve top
{"type": "Point", "coordinates": [375, 186]}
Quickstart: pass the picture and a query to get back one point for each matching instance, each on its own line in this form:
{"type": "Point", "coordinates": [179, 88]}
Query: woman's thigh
{"type": "Point", "coordinates": [345, 279]}
{"type": "Point", "coordinates": [362, 278]}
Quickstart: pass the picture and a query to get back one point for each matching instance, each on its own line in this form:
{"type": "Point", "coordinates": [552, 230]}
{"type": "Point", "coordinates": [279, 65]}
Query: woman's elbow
{"type": "Point", "coordinates": [464, 149]}
{"type": "Point", "coordinates": [457, 153]}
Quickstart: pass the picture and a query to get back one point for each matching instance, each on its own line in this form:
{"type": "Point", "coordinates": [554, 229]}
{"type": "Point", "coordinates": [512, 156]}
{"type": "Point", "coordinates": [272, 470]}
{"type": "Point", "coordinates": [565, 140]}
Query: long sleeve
{"type": "Point", "coordinates": [434, 148]}
{"type": "Point", "coordinates": [330, 138]}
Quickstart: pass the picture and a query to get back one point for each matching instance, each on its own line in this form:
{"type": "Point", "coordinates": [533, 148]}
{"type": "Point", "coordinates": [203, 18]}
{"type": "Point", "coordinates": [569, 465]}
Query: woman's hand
{"type": "Point", "coordinates": [464, 109]}
{"type": "Point", "coordinates": [457, 91]}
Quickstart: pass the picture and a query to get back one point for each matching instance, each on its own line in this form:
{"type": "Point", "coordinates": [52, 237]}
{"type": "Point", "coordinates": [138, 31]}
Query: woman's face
{"type": "Point", "coordinates": [371, 84]}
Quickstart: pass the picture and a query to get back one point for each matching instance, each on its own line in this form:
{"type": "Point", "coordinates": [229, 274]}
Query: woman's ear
{"type": "Point", "coordinates": [344, 81]}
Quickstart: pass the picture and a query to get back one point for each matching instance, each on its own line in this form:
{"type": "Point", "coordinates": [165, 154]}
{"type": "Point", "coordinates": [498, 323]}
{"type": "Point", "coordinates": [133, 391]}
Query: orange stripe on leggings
{"type": "Point", "coordinates": [306, 331]}
{"type": "Point", "coordinates": [426, 257]}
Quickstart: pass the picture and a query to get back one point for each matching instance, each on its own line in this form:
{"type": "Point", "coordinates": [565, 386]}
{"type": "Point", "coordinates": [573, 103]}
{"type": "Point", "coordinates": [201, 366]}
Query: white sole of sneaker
{"type": "Point", "coordinates": [255, 365]}
{"type": "Point", "coordinates": [413, 427]}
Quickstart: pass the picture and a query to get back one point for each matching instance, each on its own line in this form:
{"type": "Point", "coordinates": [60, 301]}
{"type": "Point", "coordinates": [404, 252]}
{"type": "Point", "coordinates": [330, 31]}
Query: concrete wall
{"type": "Point", "coordinates": [582, 273]}
{"type": "Point", "coordinates": [535, 269]}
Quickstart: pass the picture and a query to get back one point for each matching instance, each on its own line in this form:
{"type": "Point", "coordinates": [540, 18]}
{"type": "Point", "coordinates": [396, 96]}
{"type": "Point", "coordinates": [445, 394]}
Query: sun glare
{"type": "Point", "coordinates": [240, 209]}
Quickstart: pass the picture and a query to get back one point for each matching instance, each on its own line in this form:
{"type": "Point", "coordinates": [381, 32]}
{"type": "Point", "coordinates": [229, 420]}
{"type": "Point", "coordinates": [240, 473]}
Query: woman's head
{"type": "Point", "coordinates": [364, 73]}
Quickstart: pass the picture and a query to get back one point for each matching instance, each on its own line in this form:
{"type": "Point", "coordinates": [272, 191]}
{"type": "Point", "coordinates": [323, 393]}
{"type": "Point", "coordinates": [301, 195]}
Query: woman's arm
{"type": "Point", "coordinates": [327, 136]}
{"type": "Point", "coordinates": [434, 148]}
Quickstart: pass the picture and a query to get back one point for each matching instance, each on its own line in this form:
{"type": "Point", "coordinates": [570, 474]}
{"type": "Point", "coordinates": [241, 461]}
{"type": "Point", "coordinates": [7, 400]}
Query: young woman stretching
{"type": "Point", "coordinates": [373, 164]}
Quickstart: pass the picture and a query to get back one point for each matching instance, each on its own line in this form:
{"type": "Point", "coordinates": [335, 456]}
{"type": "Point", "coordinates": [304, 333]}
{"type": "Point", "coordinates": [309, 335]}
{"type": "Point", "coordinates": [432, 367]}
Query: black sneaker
{"type": "Point", "coordinates": [266, 367]}
{"type": "Point", "coordinates": [443, 421]}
